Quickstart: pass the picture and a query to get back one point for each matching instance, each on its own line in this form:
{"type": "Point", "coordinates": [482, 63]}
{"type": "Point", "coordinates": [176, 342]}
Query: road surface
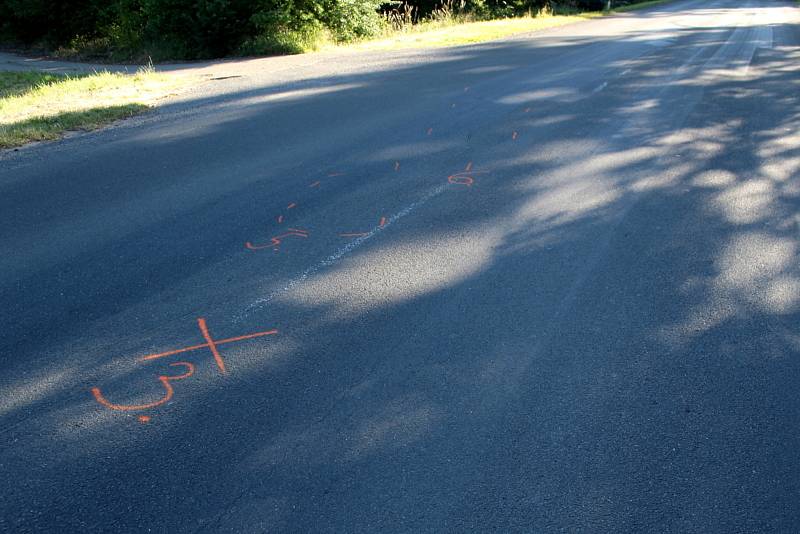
{"type": "Point", "coordinates": [543, 284]}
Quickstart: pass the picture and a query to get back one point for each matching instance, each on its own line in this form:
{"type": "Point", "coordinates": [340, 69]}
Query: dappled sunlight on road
{"type": "Point", "coordinates": [397, 272]}
{"type": "Point", "coordinates": [500, 274]}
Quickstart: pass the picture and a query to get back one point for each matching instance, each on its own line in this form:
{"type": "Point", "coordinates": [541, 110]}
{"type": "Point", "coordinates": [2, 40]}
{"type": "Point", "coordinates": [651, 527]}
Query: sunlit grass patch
{"type": "Point", "coordinates": [37, 106]}
{"type": "Point", "coordinates": [445, 33]}
{"type": "Point", "coordinates": [638, 5]}
{"type": "Point", "coordinates": [454, 29]}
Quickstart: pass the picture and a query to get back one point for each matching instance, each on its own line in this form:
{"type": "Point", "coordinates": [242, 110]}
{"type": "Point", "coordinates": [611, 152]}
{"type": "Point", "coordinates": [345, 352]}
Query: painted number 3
{"type": "Point", "coordinates": [165, 381]}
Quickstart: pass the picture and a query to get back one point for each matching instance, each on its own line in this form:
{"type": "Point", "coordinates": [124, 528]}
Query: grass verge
{"type": "Point", "coordinates": [36, 106]}
{"type": "Point", "coordinates": [443, 33]}
{"type": "Point", "coordinates": [638, 5]}
{"type": "Point", "coordinates": [459, 30]}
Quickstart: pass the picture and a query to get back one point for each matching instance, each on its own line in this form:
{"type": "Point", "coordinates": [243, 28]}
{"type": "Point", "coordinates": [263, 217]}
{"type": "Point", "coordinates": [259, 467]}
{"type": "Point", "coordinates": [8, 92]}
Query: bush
{"type": "Point", "coordinates": [352, 19]}
{"type": "Point", "coordinates": [185, 28]}
{"type": "Point", "coordinates": [188, 29]}
{"type": "Point", "coordinates": [279, 40]}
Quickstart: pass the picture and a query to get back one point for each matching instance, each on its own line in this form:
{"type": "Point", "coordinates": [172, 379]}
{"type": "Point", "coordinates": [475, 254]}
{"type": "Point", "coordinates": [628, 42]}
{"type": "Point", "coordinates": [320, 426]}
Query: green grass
{"type": "Point", "coordinates": [443, 29]}
{"type": "Point", "coordinates": [456, 30]}
{"type": "Point", "coordinates": [37, 106]}
{"type": "Point", "coordinates": [638, 5]}
{"type": "Point", "coordinates": [460, 32]}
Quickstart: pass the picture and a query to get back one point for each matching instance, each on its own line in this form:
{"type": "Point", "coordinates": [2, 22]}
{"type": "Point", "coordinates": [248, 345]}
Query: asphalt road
{"type": "Point", "coordinates": [567, 297]}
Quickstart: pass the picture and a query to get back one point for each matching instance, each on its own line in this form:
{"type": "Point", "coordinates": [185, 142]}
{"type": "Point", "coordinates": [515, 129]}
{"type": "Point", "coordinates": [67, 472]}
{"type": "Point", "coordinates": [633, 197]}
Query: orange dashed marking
{"type": "Point", "coordinates": [144, 418]}
{"type": "Point", "coordinates": [469, 167]}
{"type": "Point", "coordinates": [381, 224]}
{"type": "Point", "coordinates": [332, 174]}
{"type": "Point", "coordinates": [290, 206]}
{"type": "Point", "coordinates": [315, 184]}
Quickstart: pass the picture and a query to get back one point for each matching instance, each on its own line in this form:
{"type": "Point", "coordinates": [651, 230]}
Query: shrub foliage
{"type": "Point", "coordinates": [181, 28]}
{"type": "Point", "coordinates": [212, 28]}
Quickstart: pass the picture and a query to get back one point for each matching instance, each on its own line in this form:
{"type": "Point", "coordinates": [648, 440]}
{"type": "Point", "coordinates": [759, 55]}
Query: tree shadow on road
{"type": "Point", "coordinates": [620, 288]}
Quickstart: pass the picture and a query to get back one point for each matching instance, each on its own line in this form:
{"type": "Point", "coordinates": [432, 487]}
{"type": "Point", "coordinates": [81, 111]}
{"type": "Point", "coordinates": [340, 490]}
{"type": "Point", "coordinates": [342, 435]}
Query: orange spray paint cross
{"type": "Point", "coordinates": [211, 344]}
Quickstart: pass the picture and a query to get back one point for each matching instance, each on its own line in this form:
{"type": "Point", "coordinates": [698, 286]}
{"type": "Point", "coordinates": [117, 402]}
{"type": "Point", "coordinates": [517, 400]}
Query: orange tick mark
{"type": "Point", "coordinates": [514, 135]}
{"type": "Point", "coordinates": [290, 206]}
{"type": "Point", "coordinates": [144, 418]}
{"type": "Point", "coordinates": [383, 222]}
{"type": "Point", "coordinates": [280, 219]}
{"type": "Point", "coordinates": [315, 184]}
{"type": "Point", "coordinates": [469, 167]}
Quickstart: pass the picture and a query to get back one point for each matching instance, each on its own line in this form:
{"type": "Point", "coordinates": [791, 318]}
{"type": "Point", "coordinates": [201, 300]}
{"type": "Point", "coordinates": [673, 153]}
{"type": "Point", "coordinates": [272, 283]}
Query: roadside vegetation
{"type": "Point", "coordinates": [37, 106]}
{"type": "Point", "coordinates": [135, 30]}
{"type": "Point", "coordinates": [461, 30]}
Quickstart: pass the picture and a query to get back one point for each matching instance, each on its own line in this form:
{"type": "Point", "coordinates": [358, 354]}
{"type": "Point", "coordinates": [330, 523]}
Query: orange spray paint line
{"type": "Point", "coordinates": [514, 135]}
{"type": "Point", "coordinates": [144, 418]}
{"type": "Point", "coordinates": [315, 184]}
{"type": "Point", "coordinates": [290, 206]}
{"type": "Point", "coordinates": [212, 346]}
{"type": "Point", "coordinates": [458, 179]}
{"type": "Point", "coordinates": [280, 219]}
{"type": "Point", "coordinates": [168, 392]}
{"type": "Point", "coordinates": [277, 240]}
{"type": "Point", "coordinates": [468, 167]}
{"type": "Point", "coordinates": [383, 222]}
{"type": "Point", "coordinates": [332, 174]}
{"type": "Point", "coordinates": [354, 234]}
